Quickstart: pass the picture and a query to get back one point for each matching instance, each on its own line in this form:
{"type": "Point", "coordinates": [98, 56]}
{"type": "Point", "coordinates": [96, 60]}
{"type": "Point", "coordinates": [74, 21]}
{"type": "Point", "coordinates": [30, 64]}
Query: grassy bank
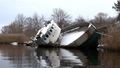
{"type": "Point", "coordinates": [112, 38]}
{"type": "Point", "coordinates": [8, 38]}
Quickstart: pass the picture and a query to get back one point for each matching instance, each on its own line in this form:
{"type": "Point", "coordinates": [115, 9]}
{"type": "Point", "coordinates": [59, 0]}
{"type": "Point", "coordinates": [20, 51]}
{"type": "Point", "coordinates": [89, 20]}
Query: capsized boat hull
{"type": "Point", "coordinates": [92, 42]}
{"type": "Point", "coordinates": [85, 36]}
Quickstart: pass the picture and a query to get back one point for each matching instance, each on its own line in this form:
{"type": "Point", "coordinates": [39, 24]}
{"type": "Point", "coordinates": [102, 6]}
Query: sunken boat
{"type": "Point", "coordinates": [48, 35]}
{"type": "Point", "coordinates": [81, 35]}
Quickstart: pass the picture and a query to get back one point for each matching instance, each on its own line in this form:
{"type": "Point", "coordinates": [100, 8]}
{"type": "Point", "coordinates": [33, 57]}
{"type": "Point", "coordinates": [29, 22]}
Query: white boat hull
{"type": "Point", "coordinates": [76, 37]}
{"type": "Point", "coordinates": [50, 35]}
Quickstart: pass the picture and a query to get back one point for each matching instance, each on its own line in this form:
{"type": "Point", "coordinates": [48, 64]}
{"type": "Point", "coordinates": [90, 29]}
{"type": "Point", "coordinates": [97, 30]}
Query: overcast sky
{"type": "Point", "coordinates": [9, 9]}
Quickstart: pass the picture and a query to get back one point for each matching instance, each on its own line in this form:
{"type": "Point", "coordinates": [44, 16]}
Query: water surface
{"type": "Point", "coordinates": [22, 56]}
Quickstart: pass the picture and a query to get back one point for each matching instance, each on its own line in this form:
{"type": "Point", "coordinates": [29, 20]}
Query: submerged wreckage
{"type": "Point", "coordinates": [83, 35]}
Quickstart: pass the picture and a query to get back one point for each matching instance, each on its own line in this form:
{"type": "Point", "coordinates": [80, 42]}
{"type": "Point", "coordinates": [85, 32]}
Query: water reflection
{"type": "Point", "coordinates": [42, 58]}
{"type": "Point", "coordinates": [60, 57]}
{"type": "Point", "coordinates": [16, 57]}
{"type": "Point", "coordinates": [109, 59]}
{"type": "Point", "coordinates": [92, 56]}
{"type": "Point", "coordinates": [21, 56]}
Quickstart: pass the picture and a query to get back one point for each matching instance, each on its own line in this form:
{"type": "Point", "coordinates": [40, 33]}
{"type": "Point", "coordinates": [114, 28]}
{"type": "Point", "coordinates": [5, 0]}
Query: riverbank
{"type": "Point", "coordinates": [112, 38]}
{"type": "Point", "coordinates": [8, 38]}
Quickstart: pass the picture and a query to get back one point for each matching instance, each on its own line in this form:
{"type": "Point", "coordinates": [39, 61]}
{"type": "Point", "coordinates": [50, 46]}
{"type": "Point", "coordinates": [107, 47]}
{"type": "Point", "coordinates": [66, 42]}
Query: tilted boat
{"type": "Point", "coordinates": [48, 35]}
{"type": "Point", "coordinates": [83, 35]}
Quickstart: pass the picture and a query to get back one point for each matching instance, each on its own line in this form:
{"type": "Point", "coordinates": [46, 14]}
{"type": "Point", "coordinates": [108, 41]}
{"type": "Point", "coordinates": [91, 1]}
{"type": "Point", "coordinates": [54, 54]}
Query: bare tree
{"type": "Point", "coordinates": [37, 21]}
{"type": "Point", "coordinates": [5, 30]}
{"type": "Point", "coordinates": [117, 8]}
{"type": "Point", "coordinates": [33, 24]}
{"type": "Point", "coordinates": [80, 19]}
{"type": "Point", "coordinates": [20, 20]}
{"type": "Point", "coordinates": [29, 28]}
{"type": "Point", "coordinates": [103, 22]}
{"type": "Point", "coordinates": [61, 17]}
{"type": "Point", "coordinates": [13, 28]}
{"type": "Point", "coordinates": [100, 20]}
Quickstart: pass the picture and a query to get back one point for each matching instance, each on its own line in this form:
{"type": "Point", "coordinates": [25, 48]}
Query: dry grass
{"type": "Point", "coordinates": [112, 39]}
{"type": "Point", "coordinates": [8, 38]}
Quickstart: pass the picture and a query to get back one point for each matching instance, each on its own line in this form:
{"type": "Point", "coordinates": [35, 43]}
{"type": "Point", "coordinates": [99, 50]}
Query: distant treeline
{"type": "Point", "coordinates": [30, 25]}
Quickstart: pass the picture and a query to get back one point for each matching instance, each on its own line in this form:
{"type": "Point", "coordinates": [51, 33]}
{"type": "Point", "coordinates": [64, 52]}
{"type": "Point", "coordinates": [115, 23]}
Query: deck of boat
{"type": "Point", "coordinates": [74, 25]}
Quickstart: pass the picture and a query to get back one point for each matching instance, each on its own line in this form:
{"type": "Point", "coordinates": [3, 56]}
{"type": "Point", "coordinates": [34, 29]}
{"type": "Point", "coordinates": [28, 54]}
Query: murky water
{"type": "Point", "coordinates": [22, 56]}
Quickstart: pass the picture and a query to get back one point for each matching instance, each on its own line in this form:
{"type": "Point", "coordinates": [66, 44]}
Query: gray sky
{"type": "Point", "coordinates": [9, 9]}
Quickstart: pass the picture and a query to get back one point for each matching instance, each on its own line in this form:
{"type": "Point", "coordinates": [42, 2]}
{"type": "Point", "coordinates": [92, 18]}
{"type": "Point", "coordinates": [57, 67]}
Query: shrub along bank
{"type": "Point", "coordinates": [112, 38]}
{"type": "Point", "coordinates": [8, 38]}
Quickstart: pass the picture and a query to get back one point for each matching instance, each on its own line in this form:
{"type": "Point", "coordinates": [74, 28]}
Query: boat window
{"type": "Point", "coordinates": [48, 22]}
{"type": "Point", "coordinates": [50, 30]}
{"type": "Point", "coordinates": [47, 36]}
{"type": "Point", "coordinates": [44, 38]}
{"type": "Point", "coordinates": [52, 27]}
{"type": "Point", "coordinates": [49, 33]}
{"type": "Point", "coordinates": [37, 37]}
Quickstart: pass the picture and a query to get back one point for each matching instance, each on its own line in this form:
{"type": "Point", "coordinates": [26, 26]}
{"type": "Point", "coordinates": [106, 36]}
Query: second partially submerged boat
{"type": "Point", "coordinates": [83, 35]}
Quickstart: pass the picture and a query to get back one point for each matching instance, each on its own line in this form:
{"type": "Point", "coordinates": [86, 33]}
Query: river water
{"type": "Point", "coordinates": [21, 56]}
